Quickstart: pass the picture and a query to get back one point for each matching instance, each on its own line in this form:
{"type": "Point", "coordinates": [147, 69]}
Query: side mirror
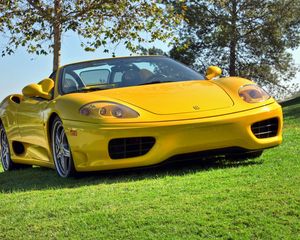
{"type": "Point", "coordinates": [42, 89]}
{"type": "Point", "coordinates": [212, 72]}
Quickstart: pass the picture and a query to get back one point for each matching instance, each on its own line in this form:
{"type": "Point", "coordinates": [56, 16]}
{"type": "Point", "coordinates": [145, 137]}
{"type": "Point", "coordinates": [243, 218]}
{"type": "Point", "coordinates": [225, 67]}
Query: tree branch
{"type": "Point", "coordinates": [45, 13]}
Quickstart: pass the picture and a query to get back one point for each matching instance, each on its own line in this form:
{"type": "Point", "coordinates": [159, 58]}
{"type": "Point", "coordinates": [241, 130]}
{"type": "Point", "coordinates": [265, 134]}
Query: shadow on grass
{"type": "Point", "coordinates": [38, 178]}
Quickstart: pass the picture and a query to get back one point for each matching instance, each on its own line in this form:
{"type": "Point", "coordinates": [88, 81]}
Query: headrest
{"type": "Point", "coordinates": [47, 85]}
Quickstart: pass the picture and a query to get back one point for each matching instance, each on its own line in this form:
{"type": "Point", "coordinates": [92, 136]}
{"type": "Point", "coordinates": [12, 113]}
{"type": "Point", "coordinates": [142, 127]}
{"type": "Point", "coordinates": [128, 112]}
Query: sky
{"type": "Point", "coordinates": [21, 68]}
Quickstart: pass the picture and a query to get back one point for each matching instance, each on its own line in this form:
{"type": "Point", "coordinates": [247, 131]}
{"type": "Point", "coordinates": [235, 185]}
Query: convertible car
{"type": "Point", "coordinates": [133, 112]}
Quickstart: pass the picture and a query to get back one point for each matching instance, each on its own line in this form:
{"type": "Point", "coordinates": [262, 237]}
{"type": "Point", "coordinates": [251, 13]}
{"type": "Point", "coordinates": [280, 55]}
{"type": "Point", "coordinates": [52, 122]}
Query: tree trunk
{"type": "Point", "coordinates": [57, 34]}
{"type": "Point", "coordinates": [233, 41]}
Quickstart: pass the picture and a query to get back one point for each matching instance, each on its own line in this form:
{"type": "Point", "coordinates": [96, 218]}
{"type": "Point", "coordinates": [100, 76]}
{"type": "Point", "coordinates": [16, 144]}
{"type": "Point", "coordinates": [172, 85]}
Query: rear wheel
{"type": "Point", "coordinates": [62, 155]}
{"type": "Point", "coordinates": [6, 161]}
{"type": "Point", "coordinates": [5, 157]}
{"type": "Point", "coordinates": [244, 156]}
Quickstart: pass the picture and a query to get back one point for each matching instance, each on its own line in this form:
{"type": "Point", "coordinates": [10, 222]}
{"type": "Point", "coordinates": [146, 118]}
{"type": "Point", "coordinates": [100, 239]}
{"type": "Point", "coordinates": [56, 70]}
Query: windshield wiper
{"type": "Point", "coordinates": [94, 88]}
{"type": "Point", "coordinates": [155, 82]}
{"type": "Point", "coordinates": [87, 89]}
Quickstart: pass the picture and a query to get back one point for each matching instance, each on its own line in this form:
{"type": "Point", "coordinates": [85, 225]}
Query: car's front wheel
{"type": "Point", "coordinates": [62, 155]}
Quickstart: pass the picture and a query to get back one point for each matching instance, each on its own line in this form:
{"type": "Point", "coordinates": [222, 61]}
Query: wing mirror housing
{"type": "Point", "coordinates": [213, 72]}
{"type": "Point", "coordinates": [42, 89]}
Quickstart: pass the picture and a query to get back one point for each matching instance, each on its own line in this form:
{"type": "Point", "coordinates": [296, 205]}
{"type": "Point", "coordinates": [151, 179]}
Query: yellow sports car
{"type": "Point", "coordinates": [132, 112]}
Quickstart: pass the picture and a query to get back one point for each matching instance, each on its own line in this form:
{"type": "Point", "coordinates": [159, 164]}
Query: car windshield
{"type": "Point", "coordinates": [124, 72]}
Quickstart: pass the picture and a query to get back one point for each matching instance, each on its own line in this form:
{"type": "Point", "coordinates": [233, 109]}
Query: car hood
{"type": "Point", "coordinates": [171, 98]}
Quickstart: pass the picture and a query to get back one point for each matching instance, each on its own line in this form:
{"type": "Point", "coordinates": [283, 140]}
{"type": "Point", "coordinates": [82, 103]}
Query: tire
{"type": "Point", "coordinates": [244, 156]}
{"type": "Point", "coordinates": [6, 161]}
{"type": "Point", "coordinates": [61, 151]}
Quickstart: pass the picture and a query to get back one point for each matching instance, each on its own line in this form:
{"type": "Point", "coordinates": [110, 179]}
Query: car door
{"type": "Point", "coordinates": [32, 127]}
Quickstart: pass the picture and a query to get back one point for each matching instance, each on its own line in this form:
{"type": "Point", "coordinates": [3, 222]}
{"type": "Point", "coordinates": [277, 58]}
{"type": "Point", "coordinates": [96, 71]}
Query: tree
{"type": "Point", "coordinates": [39, 25]}
{"type": "Point", "coordinates": [246, 38]}
{"type": "Point", "coordinates": [151, 51]}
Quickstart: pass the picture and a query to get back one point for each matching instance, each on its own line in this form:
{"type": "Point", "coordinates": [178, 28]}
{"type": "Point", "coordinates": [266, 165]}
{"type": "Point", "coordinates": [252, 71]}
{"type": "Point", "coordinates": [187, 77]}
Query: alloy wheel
{"type": "Point", "coordinates": [4, 150]}
{"type": "Point", "coordinates": [61, 151]}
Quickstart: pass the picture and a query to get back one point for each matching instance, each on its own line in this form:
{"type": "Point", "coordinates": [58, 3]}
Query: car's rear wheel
{"type": "Point", "coordinates": [244, 156]}
{"type": "Point", "coordinates": [7, 163]}
{"type": "Point", "coordinates": [62, 155]}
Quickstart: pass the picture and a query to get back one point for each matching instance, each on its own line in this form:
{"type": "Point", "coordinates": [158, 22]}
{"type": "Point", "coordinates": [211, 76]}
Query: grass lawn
{"type": "Point", "coordinates": [257, 199]}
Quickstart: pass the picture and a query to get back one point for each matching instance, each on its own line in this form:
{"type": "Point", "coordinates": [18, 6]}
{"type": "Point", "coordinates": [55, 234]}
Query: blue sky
{"type": "Point", "coordinates": [21, 69]}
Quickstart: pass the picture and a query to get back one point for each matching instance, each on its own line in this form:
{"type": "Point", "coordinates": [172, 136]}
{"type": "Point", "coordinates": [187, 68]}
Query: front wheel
{"type": "Point", "coordinates": [62, 155]}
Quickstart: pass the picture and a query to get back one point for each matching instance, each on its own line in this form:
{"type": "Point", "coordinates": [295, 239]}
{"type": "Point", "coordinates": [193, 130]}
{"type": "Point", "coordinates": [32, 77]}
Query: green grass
{"type": "Point", "coordinates": [257, 199]}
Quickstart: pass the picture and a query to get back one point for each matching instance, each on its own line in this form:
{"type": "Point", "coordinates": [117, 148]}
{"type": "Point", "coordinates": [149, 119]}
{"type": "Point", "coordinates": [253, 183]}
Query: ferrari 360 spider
{"type": "Point", "coordinates": [134, 112]}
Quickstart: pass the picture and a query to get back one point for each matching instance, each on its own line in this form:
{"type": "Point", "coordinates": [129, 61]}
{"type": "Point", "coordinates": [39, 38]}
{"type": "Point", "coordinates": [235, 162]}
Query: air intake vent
{"type": "Point", "coordinates": [120, 148]}
{"type": "Point", "coordinates": [265, 129]}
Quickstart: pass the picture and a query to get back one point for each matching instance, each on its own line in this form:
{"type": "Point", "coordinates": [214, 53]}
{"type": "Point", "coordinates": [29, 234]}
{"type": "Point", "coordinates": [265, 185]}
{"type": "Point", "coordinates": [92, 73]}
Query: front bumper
{"type": "Point", "coordinates": [89, 142]}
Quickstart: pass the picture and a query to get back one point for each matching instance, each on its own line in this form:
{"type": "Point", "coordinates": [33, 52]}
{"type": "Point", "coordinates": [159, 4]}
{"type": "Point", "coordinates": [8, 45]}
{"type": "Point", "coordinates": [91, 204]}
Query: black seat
{"type": "Point", "coordinates": [131, 77]}
{"type": "Point", "coordinates": [70, 85]}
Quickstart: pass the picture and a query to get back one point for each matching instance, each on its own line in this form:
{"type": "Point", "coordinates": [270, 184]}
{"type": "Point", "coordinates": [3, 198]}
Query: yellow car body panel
{"type": "Point", "coordinates": [183, 117]}
{"type": "Point", "coordinates": [89, 147]}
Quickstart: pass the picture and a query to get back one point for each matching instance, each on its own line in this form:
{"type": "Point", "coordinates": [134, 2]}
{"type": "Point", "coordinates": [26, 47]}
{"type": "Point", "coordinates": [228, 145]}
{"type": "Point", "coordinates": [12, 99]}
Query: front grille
{"type": "Point", "coordinates": [120, 148]}
{"type": "Point", "coordinates": [265, 129]}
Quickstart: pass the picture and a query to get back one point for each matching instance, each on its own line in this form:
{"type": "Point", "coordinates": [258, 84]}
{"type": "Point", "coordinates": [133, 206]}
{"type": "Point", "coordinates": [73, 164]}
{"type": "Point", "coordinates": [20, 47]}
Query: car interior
{"type": "Point", "coordinates": [116, 77]}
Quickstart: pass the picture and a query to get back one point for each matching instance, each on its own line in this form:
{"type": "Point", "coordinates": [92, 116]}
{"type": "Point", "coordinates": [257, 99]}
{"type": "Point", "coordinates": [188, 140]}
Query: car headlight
{"type": "Point", "coordinates": [253, 94]}
{"type": "Point", "coordinates": [107, 110]}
